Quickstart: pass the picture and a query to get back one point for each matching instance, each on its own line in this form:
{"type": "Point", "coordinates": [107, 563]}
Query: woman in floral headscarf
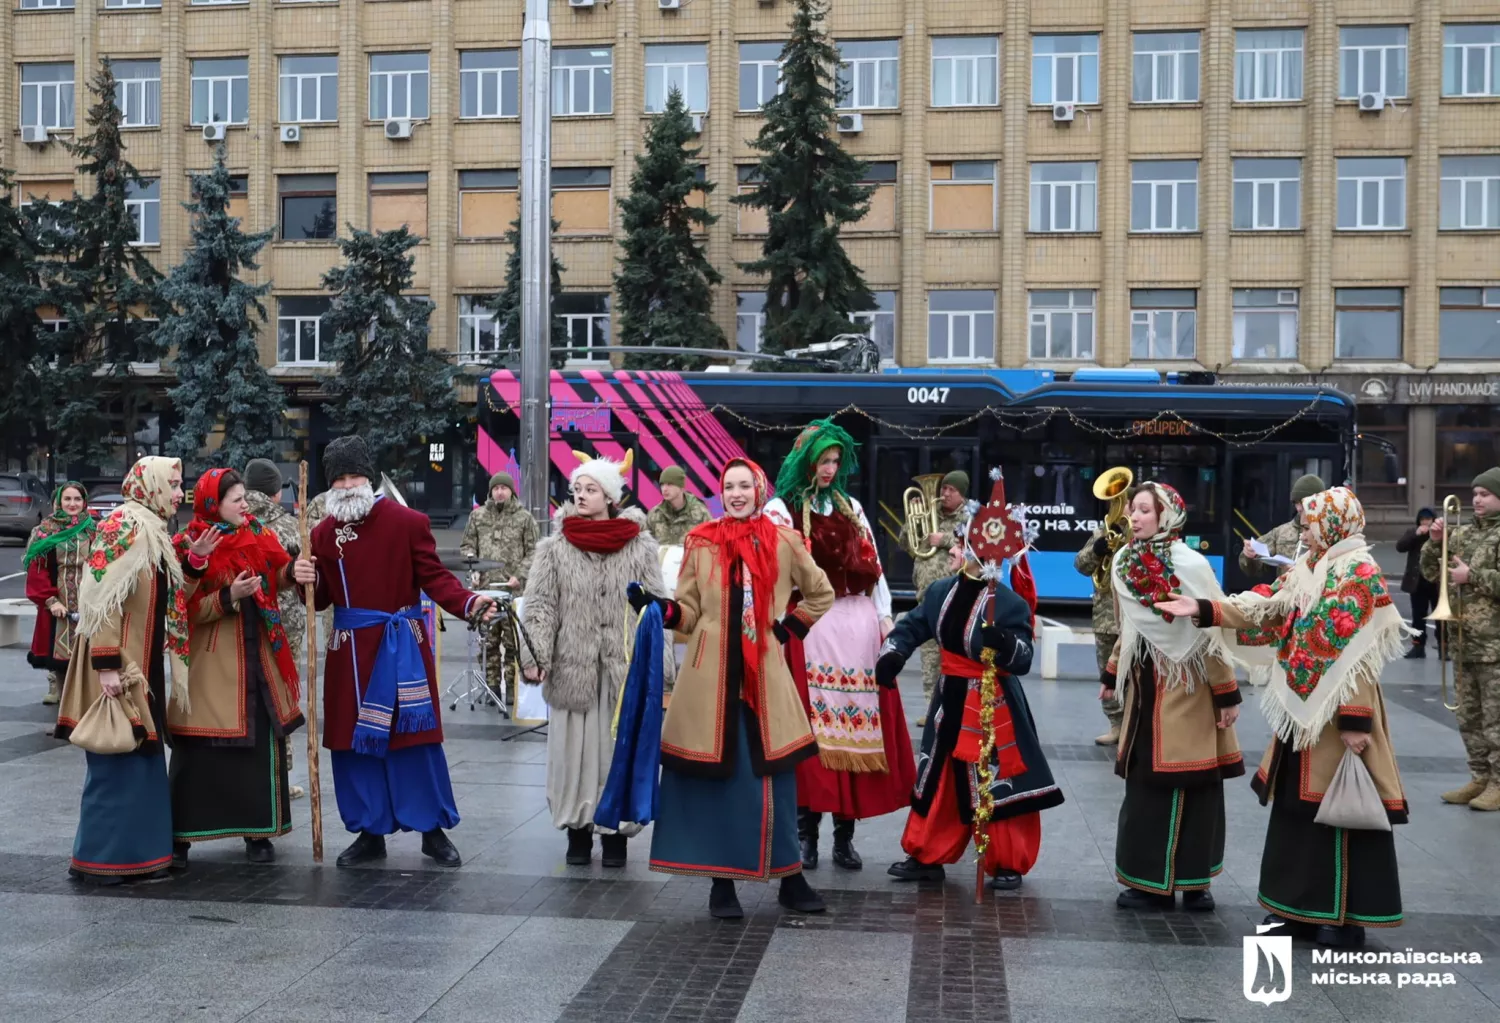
{"type": "Point", "coordinates": [229, 763]}
{"type": "Point", "coordinates": [1177, 739]}
{"type": "Point", "coordinates": [132, 646]}
{"type": "Point", "coordinates": [54, 569]}
{"type": "Point", "coordinates": [1327, 629]}
{"type": "Point", "coordinates": [735, 728]}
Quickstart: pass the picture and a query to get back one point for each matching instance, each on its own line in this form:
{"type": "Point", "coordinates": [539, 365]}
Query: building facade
{"type": "Point", "coordinates": [1292, 190]}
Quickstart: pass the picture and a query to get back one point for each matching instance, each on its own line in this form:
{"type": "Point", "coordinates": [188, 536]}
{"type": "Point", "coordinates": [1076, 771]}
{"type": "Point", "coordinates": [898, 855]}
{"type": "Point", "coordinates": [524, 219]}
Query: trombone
{"type": "Point", "coordinates": [1452, 512]}
{"type": "Point", "coordinates": [1111, 486]}
{"type": "Point", "coordinates": [921, 505]}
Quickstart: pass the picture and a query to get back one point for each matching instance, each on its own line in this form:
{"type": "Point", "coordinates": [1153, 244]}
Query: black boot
{"type": "Point", "coordinates": [439, 847]}
{"type": "Point", "coordinates": [580, 847]}
{"type": "Point", "coordinates": [843, 845]}
{"type": "Point", "coordinates": [612, 850]}
{"type": "Point", "coordinates": [1347, 936]}
{"type": "Point", "coordinates": [911, 869]}
{"type": "Point", "coordinates": [1005, 881]}
{"type": "Point", "coordinates": [363, 849]}
{"type": "Point", "coordinates": [723, 903]}
{"type": "Point", "coordinates": [1201, 901]}
{"type": "Point", "coordinates": [1416, 653]}
{"type": "Point", "coordinates": [1134, 898]}
{"type": "Point", "coordinates": [180, 855]}
{"type": "Point", "coordinates": [807, 833]}
{"type": "Point", "coordinates": [1285, 928]}
{"type": "Point", "coordinates": [796, 894]}
{"type": "Point", "coordinates": [260, 850]}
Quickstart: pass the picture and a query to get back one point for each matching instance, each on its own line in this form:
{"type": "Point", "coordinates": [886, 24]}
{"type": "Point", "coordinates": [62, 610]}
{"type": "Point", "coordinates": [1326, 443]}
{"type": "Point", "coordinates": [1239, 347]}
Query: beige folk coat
{"type": "Point", "coordinates": [1187, 745]}
{"type": "Point", "coordinates": [700, 725]}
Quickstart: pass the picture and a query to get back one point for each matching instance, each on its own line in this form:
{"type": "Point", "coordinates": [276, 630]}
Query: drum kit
{"type": "Point", "coordinates": [472, 685]}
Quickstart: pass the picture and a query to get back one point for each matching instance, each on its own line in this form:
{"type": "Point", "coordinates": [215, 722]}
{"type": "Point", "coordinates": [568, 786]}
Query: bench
{"type": "Point", "coordinates": [17, 621]}
{"type": "Point", "coordinates": [1054, 635]}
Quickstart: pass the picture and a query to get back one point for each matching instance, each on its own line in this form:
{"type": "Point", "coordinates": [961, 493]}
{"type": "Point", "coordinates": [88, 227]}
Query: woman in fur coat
{"type": "Point", "coordinates": [575, 613]}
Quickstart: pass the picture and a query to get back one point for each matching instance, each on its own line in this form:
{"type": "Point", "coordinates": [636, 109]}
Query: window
{"type": "Point", "coordinates": [1471, 60]}
{"type": "Point", "coordinates": [299, 326]}
{"type": "Point", "coordinates": [47, 95]}
{"type": "Point", "coordinates": [46, 5]}
{"type": "Point", "coordinates": [963, 196]}
{"type": "Point", "coordinates": [138, 92]}
{"type": "Point", "coordinates": [1265, 323]}
{"type": "Point", "coordinates": [117, 4]}
{"type": "Point", "coordinates": [1164, 195]}
{"type": "Point", "coordinates": [749, 319]}
{"type": "Point", "coordinates": [1469, 323]}
{"type": "Point", "coordinates": [220, 3]}
{"type": "Point", "coordinates": [752, 220]}
{"type": "Point", "coordinates": [309, 89]}
{"type": "Point", "coordinates": [1267, 195]}
{"type": "Point", "coordinates": [760, 74]}
{"type": "Point", "coordinates": [239, 198]}
{"type": "Point", "coordinates": [882, 214]}
{"type": "Point", "coordinates": [1367, 323]}
{"type": "Point", "coordinates": [586, 323]}
{"type": "Point", "coordinates": [879, 323]}
{"type": "Point", "coordinates": [1470, 196]}
{"type": "Point", "coordinates": [580, 199]}
{"type": "Point", "coordinates": [1268, 65]}
{"type": "Point", "coordinates": [1163, 324]}
{"type": "Point", "coordinates": [488, 201]}
{"type": "Point", "coordinates": [51, 193]}
{"type": "Point", "coordinates": [1467, 438]}
{"type": "Point", "coordinates": [309, 206]}
{"type": "Point", "coordinates": [1065, 69]}
{"type": "Point", "coordinates": [1372, 194]}
{"type": "Point", "coordinates": [1063, 196]}
{"type": "Point", "coordinates": [143, 205]}
{"type": "Point", "coordinates": [1372, 60]}
{"type": "Point", "coordinates": [680, 66]}
{"type": "Point", "coordinates": [398, 200]}
{"type": "Point", "coordinates": [965, 71]}
{"type": "Point", "coordinates": [221, 91]}
{"type": "Point", "coordinates": [398, 85]}
{"type": "Point", "coordinates": [489, 84]}
{"type": "Point", "coordinates": [478, 333]}
{"type": "Point", "coordinates": [960, 326]}
{"type": "Point", "coordinates": [581, 81]}
{"type": "Point", "coordinates": [868, 75]}
{"type": "Point", "coordinates": [1062, 324]}
{"type": "Point", "coordinates": [1166, 67]}
{"type": "Point", "coordinates": [1382, 453]}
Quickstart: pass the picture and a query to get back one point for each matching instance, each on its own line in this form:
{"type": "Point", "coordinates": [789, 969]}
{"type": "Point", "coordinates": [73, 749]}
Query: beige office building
{"type": "Point", "coordinates": [1288, 190]}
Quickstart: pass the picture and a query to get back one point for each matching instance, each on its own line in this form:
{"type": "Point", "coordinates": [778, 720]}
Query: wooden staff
{"type": "Point", "coordinates": [986, 808]}
{"type": "Point", "coordinates": [314, 786]}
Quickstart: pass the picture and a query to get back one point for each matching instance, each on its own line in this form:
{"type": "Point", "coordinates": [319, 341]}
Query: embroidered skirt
{"type": "Point", "coordinates": [125, 817]}
{"type": "Point", "coordinates": [1168, 839]}
{"type": "Point", "coordinates": [221, 791]}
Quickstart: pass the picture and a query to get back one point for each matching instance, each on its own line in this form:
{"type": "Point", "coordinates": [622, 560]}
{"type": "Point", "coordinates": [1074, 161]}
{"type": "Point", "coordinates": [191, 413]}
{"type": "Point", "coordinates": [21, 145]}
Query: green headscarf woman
{"type": "Point", "coordinates": [54, 561]}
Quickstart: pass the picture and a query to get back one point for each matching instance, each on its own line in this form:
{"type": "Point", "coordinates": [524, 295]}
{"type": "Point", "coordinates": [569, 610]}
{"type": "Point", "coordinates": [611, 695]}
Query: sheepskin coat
{"type": "Point", "coordinates": [575, 612]}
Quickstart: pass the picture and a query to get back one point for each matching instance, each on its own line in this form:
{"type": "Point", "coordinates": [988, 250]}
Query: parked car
{"type": "Point", "coordinates": [24, 502]}
{"type": "Point", "coordinates": [102, 504]}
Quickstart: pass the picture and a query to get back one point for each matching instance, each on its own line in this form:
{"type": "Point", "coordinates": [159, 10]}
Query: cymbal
{"type": "Point", "coordinates": [459, 563]}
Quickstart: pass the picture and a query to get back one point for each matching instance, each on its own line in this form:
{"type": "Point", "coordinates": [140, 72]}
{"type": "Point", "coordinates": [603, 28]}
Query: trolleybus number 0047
{"type": "Point", "coordinates": [927, 395]}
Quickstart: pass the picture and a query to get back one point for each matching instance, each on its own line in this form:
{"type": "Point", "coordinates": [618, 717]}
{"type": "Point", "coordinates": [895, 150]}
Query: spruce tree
{"type": "Point", "coordinates": [104, 287]}
{"type": "Point", "coordinates": [213, 329]}
{"type": "Point", "coordinates": [809, 187]}
{"type": "Point", "coordinates": [388, 386]}
{"type": "Point", "coordinates": [665, 283]}
{"type": "Point", "coordinates": [23, 349]}
{"type": "Point", "coordinates": [507, 302]}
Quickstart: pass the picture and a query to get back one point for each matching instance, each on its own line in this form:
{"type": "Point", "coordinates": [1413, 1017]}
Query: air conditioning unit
{"type": "Point", "coordinates": [1371, 102]}
{"type": "Point", "coordinates": [697, 124]}
{"type": "Point", "coordinates": [214, 132]}
{"type": "Point", "coordinates": [1286, 298]}
{"type": "Point", "coordinates": [851, 124]}
{"type": "Point", "coordinates": [1063, 113]}
{"type": "Point", "coordinates": [669, 5]}
{"type": "Point", "coordinates": [580, 3]}
{"type": "Point", "coordinates": [34, 134]}
{"type": "Point", "coordinates": [398, 128]}
{"type": "Point", "coordinates": [291, 133]}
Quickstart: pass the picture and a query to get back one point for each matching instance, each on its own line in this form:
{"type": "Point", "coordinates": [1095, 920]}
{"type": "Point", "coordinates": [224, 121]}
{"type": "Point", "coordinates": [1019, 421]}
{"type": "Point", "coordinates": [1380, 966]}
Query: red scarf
{"type": "Point", "coordinates": [599, 536]}
{"type": "Point", "coordinates": [248, 547]}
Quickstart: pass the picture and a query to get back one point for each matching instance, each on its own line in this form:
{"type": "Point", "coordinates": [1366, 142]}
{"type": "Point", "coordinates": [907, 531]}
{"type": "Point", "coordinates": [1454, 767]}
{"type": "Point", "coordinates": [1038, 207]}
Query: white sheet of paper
{"type": "Point", "coordinates": [1263, 553]}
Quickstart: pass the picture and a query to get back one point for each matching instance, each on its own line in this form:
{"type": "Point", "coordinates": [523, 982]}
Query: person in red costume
{"type": "Point", "coordinates": [371, 561]}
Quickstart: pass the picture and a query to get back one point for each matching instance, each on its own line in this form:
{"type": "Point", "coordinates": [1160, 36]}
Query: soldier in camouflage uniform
{"type": "Point", "coordinates": [1094, 555]}
{"type": "Point", "coordinates": [501, 530]}
{"type": "Point", "coordinates": [678, 512]}
{"type": "Point", "coordinates": [1282, 540]}
{"type": "Point", "coordinates": [953, 495]}
{"type": "Point", "coordinates": [1474, 595]}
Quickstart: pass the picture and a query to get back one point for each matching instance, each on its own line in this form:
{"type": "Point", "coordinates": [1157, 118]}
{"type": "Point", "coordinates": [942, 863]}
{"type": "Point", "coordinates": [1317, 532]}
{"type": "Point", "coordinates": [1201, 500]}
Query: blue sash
{"type": "Point", "coordinates": [398, 679]}
{"type": "Point", "coordinates": [631, 793]}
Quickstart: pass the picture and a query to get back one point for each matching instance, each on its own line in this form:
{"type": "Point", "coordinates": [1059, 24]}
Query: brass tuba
{"type": "Point", "coordinates": [922, 513]}
{"type": "Point", "coordinates": [1452, 513]}
{"type": "Point", "coordinates": [1111, 486]}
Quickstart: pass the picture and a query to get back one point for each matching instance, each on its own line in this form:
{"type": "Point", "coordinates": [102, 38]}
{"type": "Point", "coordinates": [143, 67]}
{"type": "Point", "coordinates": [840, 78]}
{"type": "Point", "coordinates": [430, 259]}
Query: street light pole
{"type": "Point", "coordinates": [536, 257]}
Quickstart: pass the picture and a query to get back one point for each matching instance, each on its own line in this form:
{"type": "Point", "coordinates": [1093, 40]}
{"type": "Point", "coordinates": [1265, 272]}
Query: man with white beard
{"type": "Point", "coordinates": [371, 560]}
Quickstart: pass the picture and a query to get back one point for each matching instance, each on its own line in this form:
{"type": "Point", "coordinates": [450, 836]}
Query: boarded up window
{"type": "Point", "coordinates": [580, 200]}
{"type": "Point", "coordinates": [751, 220]}
{"type": "Point", "coordinates": [488, 202]}
{"type": "Point", "coordinates": [399, 199]}
{"type": "Point", "coordinates": [45, 191]}
{"type": "Point", "coordinates": [239, 200]}
{"type": "Point", "coordinates": [882, 215]}
{"type": "Point", "coordinates": [963, 196]}
{"type": "Point", "coordinates": [698, 197]}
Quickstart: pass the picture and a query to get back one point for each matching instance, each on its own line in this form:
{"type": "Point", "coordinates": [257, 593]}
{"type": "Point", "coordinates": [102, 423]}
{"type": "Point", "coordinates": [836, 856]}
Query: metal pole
{"type": "Point", "coordinates": [536, 256]}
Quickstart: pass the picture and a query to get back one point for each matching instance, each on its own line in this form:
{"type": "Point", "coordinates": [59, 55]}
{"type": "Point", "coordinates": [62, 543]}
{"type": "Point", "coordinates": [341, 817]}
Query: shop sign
{"type": "Point", "coordinates": [1388, 388]}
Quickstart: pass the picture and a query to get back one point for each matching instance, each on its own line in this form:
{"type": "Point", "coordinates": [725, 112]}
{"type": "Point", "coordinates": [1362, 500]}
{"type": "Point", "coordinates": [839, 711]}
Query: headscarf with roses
{"type": "Point", "coordinates": [1326, 627]}
{"type": "Point", "coordinates": [131, 540]}
{"type": "Point", "coordinates": [1154, 569]}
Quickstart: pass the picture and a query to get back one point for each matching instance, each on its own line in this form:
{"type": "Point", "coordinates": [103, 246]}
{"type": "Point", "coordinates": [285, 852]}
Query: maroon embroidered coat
{"type": "Point", "coordinates": [388, 561]}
